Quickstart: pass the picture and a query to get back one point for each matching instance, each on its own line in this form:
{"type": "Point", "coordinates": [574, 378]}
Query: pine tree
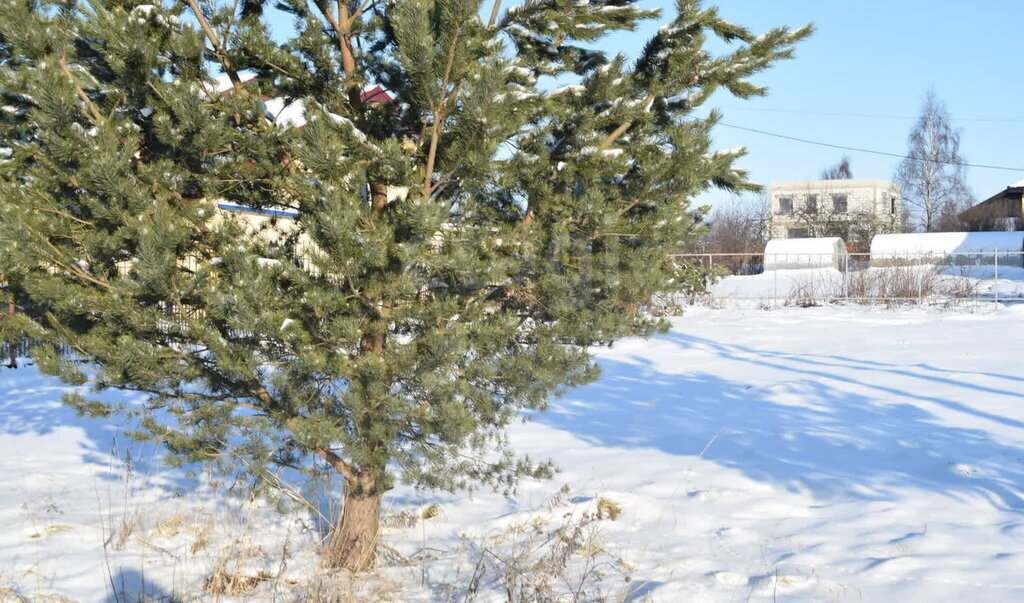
{"type": "Point", "coordinates": [448, 257]}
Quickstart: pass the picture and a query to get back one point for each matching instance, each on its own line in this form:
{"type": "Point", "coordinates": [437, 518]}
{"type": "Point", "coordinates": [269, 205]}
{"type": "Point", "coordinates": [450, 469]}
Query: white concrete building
{"type": "Point", "coordinates": [854, 210]}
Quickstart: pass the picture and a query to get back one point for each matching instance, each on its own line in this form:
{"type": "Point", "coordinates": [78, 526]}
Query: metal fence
{"type": "Point", "coordinates": [814, 278]}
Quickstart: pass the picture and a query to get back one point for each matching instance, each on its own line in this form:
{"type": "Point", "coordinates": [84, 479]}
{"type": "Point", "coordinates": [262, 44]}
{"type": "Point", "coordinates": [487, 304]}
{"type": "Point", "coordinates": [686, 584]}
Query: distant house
{"type": "Point", "coordinates": [1000, 212]}
{"type": "Point", "coordinates": [272, 225]}
{"type": "Point", "coordinates": [854, 210]}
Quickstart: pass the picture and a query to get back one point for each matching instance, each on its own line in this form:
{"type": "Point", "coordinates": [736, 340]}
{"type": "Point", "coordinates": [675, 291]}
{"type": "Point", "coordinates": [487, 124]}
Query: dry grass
{"type": "Point", "coordinates": [543, 560]}
{"type": "Point", "coordinates": [890, 285]}
{"type": "Point", "coordinates": [430, 511]}
{"type": "Point", "coordinates": [169, 527]}
{"type": "Point", "coordinates": [52, 529]}
{"type": "Point", "coordinates": [224, 582]}
{"type": "Point", "coordinates": [118, 539]}
{"type": "Point", "coordinates": [898, 285]}
{"type": "Point", "coordinates": [202, 540]}
{"type": "Point", "coordinates": [401, 520]}
{"type": "Point", "coordinates": [231, 575]}
{"type": "Point", "coordinates": [10, 593]}
{"type": "Point", "coordinates": [607, 507]}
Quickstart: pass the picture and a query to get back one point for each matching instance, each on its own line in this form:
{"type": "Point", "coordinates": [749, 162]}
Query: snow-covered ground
{"type": "Point", "coordinates": [938, 284]}
{"type": "Point", "coordinates": [826, 453]}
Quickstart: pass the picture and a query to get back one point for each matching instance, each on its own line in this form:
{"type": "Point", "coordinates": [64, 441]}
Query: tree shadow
{"type": "Point", "coordinates": [824, 367]}
{"type": "Point", "coordinates": [130, 586]}
{"type": "Point", "coordinates": [800, 433]}
{"type": "Point", "coordinates": [31, 405]}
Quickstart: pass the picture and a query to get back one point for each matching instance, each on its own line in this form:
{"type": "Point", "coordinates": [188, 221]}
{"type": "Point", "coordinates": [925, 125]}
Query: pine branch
{"type": "Point", "coordinates": [339, 464]}
{"type": "Point", "coordinates": [494, 13]}
{"type": "Point", "coordinates": [346, 470]}
{"type": "Point", "coordinates": [619, 131]}
{"type": "Point", "coordinates": [71, 270]}
{"type": "Point", "coordinates": [225, 62]}
{"type": "Point", "coordinates": [439, 113]}
{"type": "Point", "coordinates": [631, 205]}
{"type": "Point", "coordinates": [96, 115]}
{"type": "Point", "coordinates": [359, 12]}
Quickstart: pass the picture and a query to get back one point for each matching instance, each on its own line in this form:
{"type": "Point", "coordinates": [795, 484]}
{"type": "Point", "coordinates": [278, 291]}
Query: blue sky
{"type": "Point", "coordinates": [860, 81]}
{"type": "Point", "coordinates": [875, 58]}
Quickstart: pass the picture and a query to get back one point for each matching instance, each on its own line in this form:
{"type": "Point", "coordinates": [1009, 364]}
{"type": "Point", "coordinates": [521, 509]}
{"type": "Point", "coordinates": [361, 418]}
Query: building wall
{"type": "Point", "coordinates": [872, 207]}
{"type": "Point", "coordinates": [274, 226]}
{"type": "Point", "coordinates": [1004, 211]}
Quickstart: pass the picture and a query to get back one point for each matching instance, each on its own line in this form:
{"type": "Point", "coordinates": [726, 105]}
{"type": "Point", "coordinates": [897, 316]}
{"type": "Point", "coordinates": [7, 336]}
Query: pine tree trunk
{"type": "Point", "coordinates": [352, 544]}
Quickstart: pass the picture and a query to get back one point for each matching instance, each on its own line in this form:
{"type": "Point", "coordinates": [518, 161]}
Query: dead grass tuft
{"type": "Point", "coordinates": [607, 507]}
{"type": "Point", "coordinates": [224, 582]}
{"type": "Point", "coordinates": [538, 561]}
{"type": "Point", "coordinates": [118, 539]}
{"type": "Point", "coordinates": [202, 540]}
{"type": "Point", "coordinates": [402, 519]}
{"type": "Point", "coordinates": [430, 511]}
{"type": "Point", "coordinates": [168, 528]}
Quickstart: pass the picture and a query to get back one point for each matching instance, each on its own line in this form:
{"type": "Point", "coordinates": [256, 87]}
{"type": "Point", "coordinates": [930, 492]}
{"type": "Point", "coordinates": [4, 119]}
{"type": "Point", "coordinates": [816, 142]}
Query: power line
{"type": "Point", "coordinates": [1008, 120]}
{"type": "Point", "coordinates": [873, 152]}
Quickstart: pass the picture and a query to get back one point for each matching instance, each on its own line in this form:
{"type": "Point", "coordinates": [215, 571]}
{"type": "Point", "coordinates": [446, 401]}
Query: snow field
{"type": "Point", "coordinates": [827, 453]}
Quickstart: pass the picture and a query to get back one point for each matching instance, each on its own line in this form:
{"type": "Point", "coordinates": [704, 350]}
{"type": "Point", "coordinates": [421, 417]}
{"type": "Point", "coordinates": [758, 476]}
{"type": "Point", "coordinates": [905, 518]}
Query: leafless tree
{"type": "Point", "coordinates": [931, 178]}
{"type": "Point", "coordinates": [839, 171]}
{"type": "Point", "coordinates": [739, 225]}
{"type": "Point", "coordinates": [851, 226]}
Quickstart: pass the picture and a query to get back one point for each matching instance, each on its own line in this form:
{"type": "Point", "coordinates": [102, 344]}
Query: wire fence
{"type": "Point", "coordinates": [803, 279]}
{"type": "Point", "coordinates": [887, 278]}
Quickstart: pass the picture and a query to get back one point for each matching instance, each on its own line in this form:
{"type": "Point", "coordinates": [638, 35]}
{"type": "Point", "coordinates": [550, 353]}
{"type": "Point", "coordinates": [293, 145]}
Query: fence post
{"type": "Point", "coordinates": [996, 284]}
{"type": "Point", "coordinates": [846, 277]}
{"type": "Point", "coordinates": [775, 286]}
{"type": "Point", "coordinates": [920, 279]}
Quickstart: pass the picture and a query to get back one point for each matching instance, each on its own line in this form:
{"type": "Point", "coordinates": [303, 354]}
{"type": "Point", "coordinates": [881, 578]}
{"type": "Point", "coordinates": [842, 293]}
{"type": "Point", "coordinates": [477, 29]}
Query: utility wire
{"type": "Point", "coordinates": [1008, 120]}
{"type": "Point", "coordinates": [873, 152]}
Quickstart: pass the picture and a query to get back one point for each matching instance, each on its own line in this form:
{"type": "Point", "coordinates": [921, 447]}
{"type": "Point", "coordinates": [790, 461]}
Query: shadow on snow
{"type": "Point", "coordinates": [805, 429]}
{"type": "Point", "coordinates": [30, 404]}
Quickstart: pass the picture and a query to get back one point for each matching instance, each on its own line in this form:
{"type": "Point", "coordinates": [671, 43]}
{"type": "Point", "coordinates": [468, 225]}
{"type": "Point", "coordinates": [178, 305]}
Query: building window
{"type": "Point", "coordinates": [796, 233]}
{"type": "Point", "coordinates": [812, 204]}
{"type": "Point", "coordinates": [892, 206]}
{"type": "Point", "coordinates": [839, 204]}
{"type": "Point", "coordinates": [785, 205]}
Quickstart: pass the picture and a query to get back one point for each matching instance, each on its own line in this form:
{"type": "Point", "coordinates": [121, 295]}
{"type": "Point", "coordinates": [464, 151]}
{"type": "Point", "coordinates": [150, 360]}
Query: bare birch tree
{"type": "Point", "coordinates": [839, 171]}
{"type": "Point", "coordinates": [931, 177]}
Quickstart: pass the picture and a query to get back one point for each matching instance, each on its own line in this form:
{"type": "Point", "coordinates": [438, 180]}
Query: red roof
{"type": "Point", "coordinates": [372, 95]}
{"type": "Point", "coordinates": [376, 95]}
